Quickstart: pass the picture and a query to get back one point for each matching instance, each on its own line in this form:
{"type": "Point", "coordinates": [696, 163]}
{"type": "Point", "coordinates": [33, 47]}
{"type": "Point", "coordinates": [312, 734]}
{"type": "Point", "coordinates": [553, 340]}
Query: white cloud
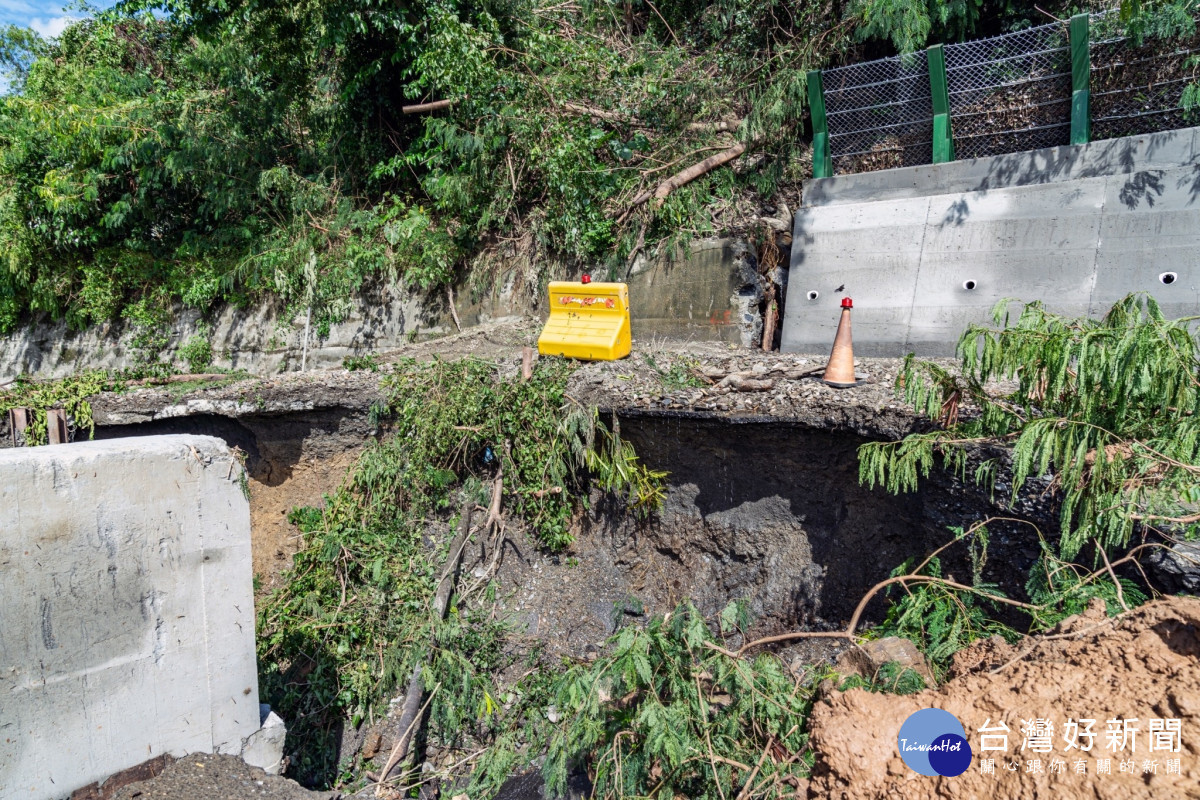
{"type": "Point", "coordinates": [53, 27]}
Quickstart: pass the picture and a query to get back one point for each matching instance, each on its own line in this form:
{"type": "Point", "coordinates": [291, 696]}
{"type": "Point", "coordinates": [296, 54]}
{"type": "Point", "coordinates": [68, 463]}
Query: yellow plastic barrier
{"type": "Point", "coordinates": [587, 320]}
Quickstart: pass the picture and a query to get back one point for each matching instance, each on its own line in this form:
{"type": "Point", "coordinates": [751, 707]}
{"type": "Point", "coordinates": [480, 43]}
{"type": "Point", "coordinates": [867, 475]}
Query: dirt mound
{"type": "Point", "coordinates": [1141, 668]}
{"type": "Point", "coordinates": [202, 776]}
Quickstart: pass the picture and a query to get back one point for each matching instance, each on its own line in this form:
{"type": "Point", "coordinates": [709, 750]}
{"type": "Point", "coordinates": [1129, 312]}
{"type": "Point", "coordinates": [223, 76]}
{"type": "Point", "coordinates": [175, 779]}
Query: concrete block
{"type": "Point", "coordinates": [126, 609]}
{"type": "Point", "coordinates": [1151, 226]}
{"type": "Point", "coordinates": [692, 296]}
{"type": "Point", "coordinates": [1036, 242]}
{"type": "Point", "coordinates": [264, 747]}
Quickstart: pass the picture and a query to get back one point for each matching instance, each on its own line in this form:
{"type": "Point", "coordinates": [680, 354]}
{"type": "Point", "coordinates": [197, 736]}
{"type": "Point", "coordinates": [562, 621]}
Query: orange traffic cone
{"type": "Point", "coordinates": [839, 372]}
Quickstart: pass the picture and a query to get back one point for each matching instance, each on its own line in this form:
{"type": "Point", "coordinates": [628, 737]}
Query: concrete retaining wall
{"type": "Point", "coordinates": [924, 251]}
{"type": "Point", "coordinates": [126, 609]}
{"type": "Point", "coordinates": [710, 292]}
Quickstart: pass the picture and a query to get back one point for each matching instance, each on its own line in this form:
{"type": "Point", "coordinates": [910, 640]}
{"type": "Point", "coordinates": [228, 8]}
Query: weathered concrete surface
{"type": "Point", "coordinates": [126, 609]}
{"type": "Point", "coordinates": [710, 292]}
{"type": "Point", "coordinates": [925, 251]}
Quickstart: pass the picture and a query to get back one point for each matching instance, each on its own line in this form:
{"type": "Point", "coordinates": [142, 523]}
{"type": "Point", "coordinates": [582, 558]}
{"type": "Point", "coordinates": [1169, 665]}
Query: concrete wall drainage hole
{"type": "Point", "coordinates": [969, 285]}
{"type": "Point", "coordinates": [1167, 278]}
{"type": "Point", "coordinates": [813, 295]}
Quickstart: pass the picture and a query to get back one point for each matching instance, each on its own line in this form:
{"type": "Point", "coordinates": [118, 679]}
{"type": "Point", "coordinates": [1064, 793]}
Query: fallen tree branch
{"type": "Point", "coordinates": [1113, 574]}
{"type": "Point", "coordinates": [401, 749]}
{"type": "Point", "coordinates": [600, 113]}
{"type": "Point", "coordinates": [412, 711]}
{"type": "Point", "coordinates": [720, 126]}
{"type": "Point", "coordinates": [696, 170]}
{"type": "Point", "coordinates": [584, 110]}
{"type": "Point", "coordinates": [427, 108]}
{"type": "Point", "coordinates": [495, 518]}
{"type": "Point", "coordinates": [684, 177]}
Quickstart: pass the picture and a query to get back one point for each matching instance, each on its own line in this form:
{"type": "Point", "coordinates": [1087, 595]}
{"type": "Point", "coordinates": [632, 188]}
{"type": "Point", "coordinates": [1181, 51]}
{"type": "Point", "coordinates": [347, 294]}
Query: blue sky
{"type": "Point", "coordinates": [47, 17]}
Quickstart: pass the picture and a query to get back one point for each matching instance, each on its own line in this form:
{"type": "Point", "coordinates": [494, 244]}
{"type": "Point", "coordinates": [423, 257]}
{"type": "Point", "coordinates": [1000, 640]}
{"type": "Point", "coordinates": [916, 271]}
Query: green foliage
{"type": "Point", "coordinates": [455, 420]}
{"type": "Point", "coordinates": [681, 374]}
{"type": "Point", "coordinates": [616, 469]}
{"type": "Point", "coordinates": [73, 394]}
{"type": "Point", "coordinates": [940, 619]}
{"type": "Point", "coordinates": [908, 24]}
{"type": "Point", "coordinates": [1190, 99]}
{"type": "Point", "coordinates": [369, 362]}
{"type": "Point", "coordinates": [197, 352]}
{"type": "Point", "coordinates": [70, 394]}
{"type": "Point", "coordinates": [1062, 589]}
{"type": "Point", "coordinates": [1156, 19]}
{"type": "Point", "coordinates": [352, 617]}
{"type": "Point", "coordinates": [669, 712]}
{"type": "Point", "coordinates": [254, 148]}
{"type": "Point", "coordinates": [19, 47]}
{"type": "Point", "coordinates": [892, 678]}
{"type": "Point", "coordinates": [1106, 408]}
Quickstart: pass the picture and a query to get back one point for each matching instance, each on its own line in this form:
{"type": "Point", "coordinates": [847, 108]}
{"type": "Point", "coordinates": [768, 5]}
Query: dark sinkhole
{"type": "Point", "coordinates": [763, 510]}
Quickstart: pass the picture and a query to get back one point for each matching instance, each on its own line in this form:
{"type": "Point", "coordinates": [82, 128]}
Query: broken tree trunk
{"type": "Point", "coordinates": [769, 320]}
{"type": "Point", "coordinates": [526, 363]}
{"type": "Point", "coordinates": [720, 126]}
{"type": "Point", "coordinates": [427, 108]}
{"type": "Point", "coordinates": [599, 113]}
{"type": "Point", "coordinates": [409, 723]}
{"type": "Point", "coordinates": [686, 176]}
{"type": "Point", "coordinates": [696, 170]}
{"type": "Point", "coordinates": [580, 109]}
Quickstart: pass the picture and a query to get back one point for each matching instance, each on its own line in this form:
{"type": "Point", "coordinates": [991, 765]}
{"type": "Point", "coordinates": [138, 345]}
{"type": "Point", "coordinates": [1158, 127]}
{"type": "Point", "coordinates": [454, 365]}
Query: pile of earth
{"type": "Point", "coordinates": [1139, 667]}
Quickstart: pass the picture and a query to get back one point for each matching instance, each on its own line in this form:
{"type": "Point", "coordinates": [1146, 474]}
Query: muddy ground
{"type": "Point", "coordinates": [1139, 668]}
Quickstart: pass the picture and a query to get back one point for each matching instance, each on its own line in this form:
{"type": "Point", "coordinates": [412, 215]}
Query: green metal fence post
{"type": "Point", "coordinates": [822, 160]}
{"type": "Point", "coordinates": [943, 137]}
{"type": "Point", "coordinates": [1081, 71]}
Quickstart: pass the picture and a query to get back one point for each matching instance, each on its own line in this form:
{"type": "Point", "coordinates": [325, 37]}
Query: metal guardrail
{"type": "Point", "coordinates": [1049, 85]}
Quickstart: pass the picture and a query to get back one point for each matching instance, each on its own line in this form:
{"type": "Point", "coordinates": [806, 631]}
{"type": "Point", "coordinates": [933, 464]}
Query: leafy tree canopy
{"type": "Point", "coordinates": [178, 151]}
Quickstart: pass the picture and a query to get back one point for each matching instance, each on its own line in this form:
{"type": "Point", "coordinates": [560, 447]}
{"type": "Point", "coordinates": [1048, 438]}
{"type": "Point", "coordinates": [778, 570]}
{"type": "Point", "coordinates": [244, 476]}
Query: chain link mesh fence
{"type": "Point", "coordinates": [880, 114]}
{"type": "Point", "coordinates": [1010, 93]}
{"type": "Point", "coordinates": [1007, 94]}
{"type": "Point", "coordinates": [1137, 89]}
